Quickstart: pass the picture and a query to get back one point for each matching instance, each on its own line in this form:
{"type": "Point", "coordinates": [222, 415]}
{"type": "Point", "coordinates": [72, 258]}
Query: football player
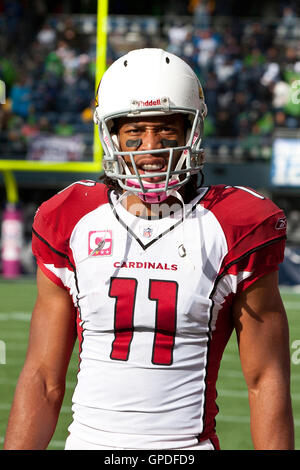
{"type": "Point", "coordinates": [153, 274]}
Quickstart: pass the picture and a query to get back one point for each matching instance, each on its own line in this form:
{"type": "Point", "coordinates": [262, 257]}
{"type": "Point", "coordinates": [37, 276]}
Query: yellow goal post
{"type": "Point", "coordinates": [8, 165]}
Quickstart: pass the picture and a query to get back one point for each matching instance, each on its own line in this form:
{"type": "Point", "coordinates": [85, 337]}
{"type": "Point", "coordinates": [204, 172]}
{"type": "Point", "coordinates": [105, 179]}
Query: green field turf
{"type": "Point", "coordinates": [17, 299]}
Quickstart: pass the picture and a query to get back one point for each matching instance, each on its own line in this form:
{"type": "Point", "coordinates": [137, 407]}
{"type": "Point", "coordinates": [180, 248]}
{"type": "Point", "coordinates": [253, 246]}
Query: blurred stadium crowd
{"type": "Point", "coordinates": [249, 70]}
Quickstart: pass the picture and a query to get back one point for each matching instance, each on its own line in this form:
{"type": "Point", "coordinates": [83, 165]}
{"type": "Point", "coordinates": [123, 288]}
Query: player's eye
{"type": "Point", "coordinates": [167, 130]}
{"type": "Point", "coordinates": [133, 131]}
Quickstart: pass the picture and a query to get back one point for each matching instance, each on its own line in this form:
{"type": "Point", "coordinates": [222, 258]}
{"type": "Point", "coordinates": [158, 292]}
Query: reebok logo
{"type": "Point", "coordinates": [281, 223]}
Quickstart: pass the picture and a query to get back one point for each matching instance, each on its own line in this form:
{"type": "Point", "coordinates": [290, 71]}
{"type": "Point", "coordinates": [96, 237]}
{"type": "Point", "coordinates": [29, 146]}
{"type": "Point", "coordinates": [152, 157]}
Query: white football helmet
{"type": "Point", "coordinates": [149, 82]}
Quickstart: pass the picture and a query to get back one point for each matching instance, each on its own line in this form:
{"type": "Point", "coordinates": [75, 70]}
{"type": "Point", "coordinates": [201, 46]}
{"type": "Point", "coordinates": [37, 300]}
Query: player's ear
{"type": "Point", "coordinates": [115, 127]}
{"type": "Point", "coordinates": [187, 127]}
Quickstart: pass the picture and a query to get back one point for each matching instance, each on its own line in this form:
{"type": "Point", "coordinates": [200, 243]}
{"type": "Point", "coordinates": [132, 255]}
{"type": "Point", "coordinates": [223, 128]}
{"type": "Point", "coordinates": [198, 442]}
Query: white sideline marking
{"type": "Point", "coordinates": [16, 346]}
{"type": "Point", "coordinates": [231, 357]}
{"type": "Point", "coordinates": [243, 419]}
{"type": "Point", "coordinates": [244, 394]}
{"type": "Point", "coordinates": [292, 305]}
{"type": "Point", "coordinates": [233, 419]}
{"type": "Point", "coordinates": [3, 381]}
{"type": "Point", "coordinates": [289, 290]}
{"type": "Point", "coordinates": [235, 374]}
{"type": "Point", "coordinates": [231, 374]}
{"type": "Point", "coordinates": [233, 393]}
{"type": "Point", "coordinates": [15, 335]}
{"type": "Point", "coordinates": [19, 316]}
{"type": "Point", "coordinates": [7, 407]}
{"type": "Point", "coordinates": [54, 443]}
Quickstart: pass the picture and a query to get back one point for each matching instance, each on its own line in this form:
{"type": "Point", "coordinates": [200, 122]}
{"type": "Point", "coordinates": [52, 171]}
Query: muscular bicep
{"type": "Point", "coordinates": [52, 331]}
{"type": "Point", "coordinates": [262, 330]}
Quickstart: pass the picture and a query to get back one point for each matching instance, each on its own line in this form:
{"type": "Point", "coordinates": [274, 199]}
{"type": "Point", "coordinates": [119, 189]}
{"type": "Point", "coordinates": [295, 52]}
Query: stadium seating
{"type": "Point", "coordinates": [238, 62]}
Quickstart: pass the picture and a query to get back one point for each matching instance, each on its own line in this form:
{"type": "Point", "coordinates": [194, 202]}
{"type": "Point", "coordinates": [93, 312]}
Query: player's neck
{"type": "Point", "coordinates": [139, 208]}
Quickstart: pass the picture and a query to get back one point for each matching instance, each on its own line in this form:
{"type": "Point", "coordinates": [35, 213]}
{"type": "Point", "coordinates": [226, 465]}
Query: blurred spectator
{"type": "Point", "coordinates": [177, 36]}
{"type": "Point", "coordinates": [209, 127]}
{"type": "Point", "coordinates": [258, 35]}
{"type": "Point", "coordinates": [211, 92]}
{"type": "Point", "coordinates": [255, 58]}
{"type": "Point", "coordinates": [202, 11]}
{"type": "Point", "coordinates": [287, 24]}
{"type": "Point", "coordinates": [46, 37]}
{"type": "Point", "coordinates": [30, 127]}
{"type": "Point", "coordinates": [271, 72]}
{"type": "Point", "coordinates": [265, 124]}
{"type": "Point", "coordinates": [232, 46]}
{"type": "Point", "coordinates": [53, 64]}
{"type": "Point", "coordinates": [281, 91]}
{"type": "Point", "coordinates": [8, 72]}
{"type": "Point", "coordinates": [13, 11]}
{"type": "Point", "coordinates": [64, 129]}
{"type": "Point", "coordinates": [21, 96]}
{"type": "Point", "coordinates": [43, 125]}
{"type": "Point", "coordinates": [14, 134]}
{"type": "Point", "coordinates": [69, 33]}
{"type": "Point", "coordinates": [280, 119]}
{"type": "Point", "coordinates": [289, 17]}
{"type": "Point", "coordinates": [224, 127]}
{"type": "Point", "coordinates": [206, 46]}
{"type": "Point", "coordinates": [225, 70]}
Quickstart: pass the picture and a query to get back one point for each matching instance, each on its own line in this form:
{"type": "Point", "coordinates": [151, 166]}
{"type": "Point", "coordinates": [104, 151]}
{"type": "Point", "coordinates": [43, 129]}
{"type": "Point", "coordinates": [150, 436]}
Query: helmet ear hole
{"type": "Point", "coordinates": [188, 135]}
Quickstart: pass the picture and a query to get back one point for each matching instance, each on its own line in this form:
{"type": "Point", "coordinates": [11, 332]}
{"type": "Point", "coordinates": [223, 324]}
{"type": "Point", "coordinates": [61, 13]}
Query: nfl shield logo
{"type": "Point", "coordinates": [147, 232]}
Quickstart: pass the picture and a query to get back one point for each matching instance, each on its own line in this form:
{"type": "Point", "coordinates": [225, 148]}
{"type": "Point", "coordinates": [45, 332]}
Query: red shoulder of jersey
{"type": "Point", "coordinates": [249, 222]}
{"type": "Point", "coordinates": [56, 218]}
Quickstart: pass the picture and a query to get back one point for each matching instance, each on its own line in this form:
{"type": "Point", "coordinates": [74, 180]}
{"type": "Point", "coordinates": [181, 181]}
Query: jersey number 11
{"type": "Point", "coordinates": [164, 293]}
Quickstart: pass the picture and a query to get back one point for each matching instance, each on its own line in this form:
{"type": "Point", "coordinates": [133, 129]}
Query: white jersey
{"type": "Point", "coordinates": [153, 300]}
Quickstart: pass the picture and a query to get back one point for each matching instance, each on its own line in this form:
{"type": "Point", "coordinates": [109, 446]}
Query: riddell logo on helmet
{"type": "Point", "coordinates": [149, 103]}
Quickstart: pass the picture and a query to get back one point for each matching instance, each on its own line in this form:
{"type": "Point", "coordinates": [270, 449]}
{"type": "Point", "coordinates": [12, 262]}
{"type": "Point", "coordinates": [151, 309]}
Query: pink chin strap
{"type": "Point", "coordinates": [152, 198]}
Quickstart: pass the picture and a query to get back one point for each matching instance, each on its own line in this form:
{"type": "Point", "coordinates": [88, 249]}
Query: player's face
{"type": "Point", "coordinates": [152, 133]}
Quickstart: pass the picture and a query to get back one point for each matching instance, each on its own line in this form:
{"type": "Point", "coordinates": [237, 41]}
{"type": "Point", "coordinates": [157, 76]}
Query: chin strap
{"type": "Point", "coordinates": [153, 197]}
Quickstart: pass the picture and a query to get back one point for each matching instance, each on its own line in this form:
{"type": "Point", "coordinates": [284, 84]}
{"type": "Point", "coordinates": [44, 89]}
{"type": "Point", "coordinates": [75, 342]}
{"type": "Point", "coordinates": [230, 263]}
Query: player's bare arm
{"type": "Point", "coordinates": [263, 337]}
{"type": "Point", "coordinates": [40, 389]}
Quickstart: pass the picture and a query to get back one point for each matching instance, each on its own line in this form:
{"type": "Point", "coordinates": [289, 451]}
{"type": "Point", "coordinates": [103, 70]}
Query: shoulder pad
{"type": "Point", "coordinates": [55, 219]}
